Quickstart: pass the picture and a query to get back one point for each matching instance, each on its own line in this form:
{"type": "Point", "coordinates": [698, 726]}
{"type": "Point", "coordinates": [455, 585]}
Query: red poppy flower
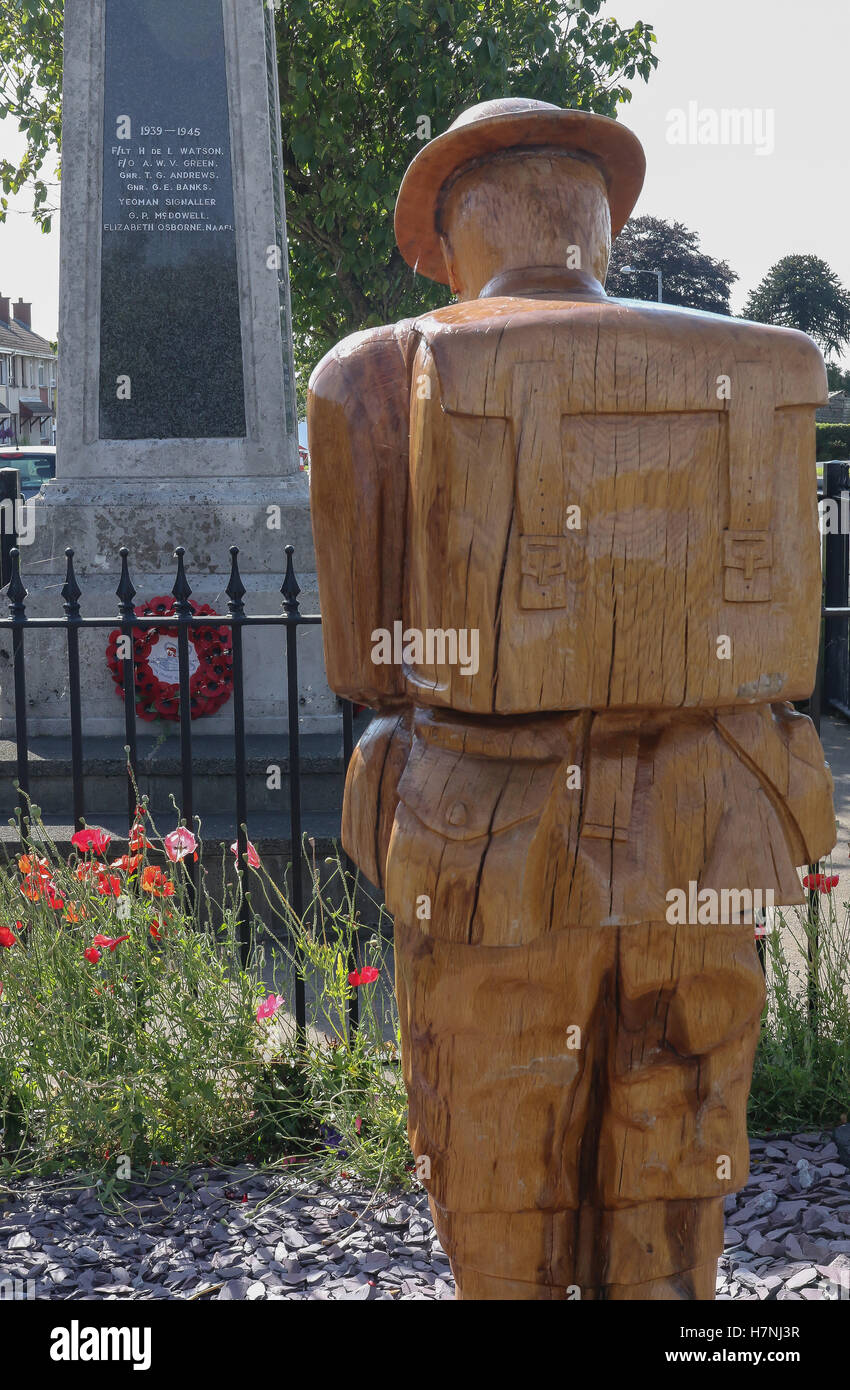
{"type": "Point", "coordinates": [7, 937]}
{"type": "Point", "coordinates": [820, 883]}
{"type": "Point", "coordinates": [155, 932]}
{"type": "Point", "coordinates": [109, 942]}
{"type": "Point", "coordinates": [109, 885]}
{"type": "Point", "coordinates": [367, 976]}
{"type": "Point", "coordinates": [92, 954]}
{"type": "Point", "coordinates": [155, 882]}
{"type": "Point", "coordinates": [93, 839]}
{"type": "Point", "coordinates": [128, 862]}
{"type": "Point", "coordinates": [52, 897]}
{"type": "Point", "coordinates": [138, 840]}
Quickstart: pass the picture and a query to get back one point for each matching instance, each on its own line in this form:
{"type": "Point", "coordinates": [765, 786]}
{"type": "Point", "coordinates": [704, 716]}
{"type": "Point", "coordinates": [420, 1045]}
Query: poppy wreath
{"type": "Point", "coordinates": [210, 686]}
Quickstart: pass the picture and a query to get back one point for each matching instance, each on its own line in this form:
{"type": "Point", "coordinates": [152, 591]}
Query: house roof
{"type": "Point", "coordinates": [15, 338]}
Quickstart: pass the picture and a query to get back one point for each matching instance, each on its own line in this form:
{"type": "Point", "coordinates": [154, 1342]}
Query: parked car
{"type": "Point", "coordinates": [35, 463]}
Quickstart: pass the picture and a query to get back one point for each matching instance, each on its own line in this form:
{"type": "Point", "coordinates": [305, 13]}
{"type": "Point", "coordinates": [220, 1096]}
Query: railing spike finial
{"type": "Point", "coordinates": [16, 593]}
{"type": "Point", "coordinates": [182, 590]}
{"type": "Point", "coordinates": [71, 591]}
{"type": "Point", "coordinates": [290, 587]}
{"type": "Point", "coordinates": [235, 590]}
{"type": "Point", "coordinates": [125, 591]}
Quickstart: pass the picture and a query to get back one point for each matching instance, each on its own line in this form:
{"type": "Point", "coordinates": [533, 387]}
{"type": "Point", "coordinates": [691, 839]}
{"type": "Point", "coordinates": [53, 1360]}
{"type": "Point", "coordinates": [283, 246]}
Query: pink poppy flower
{"type": "Point", "coordinates": [92, 838]}
{"type": "Point", "coordinates": [179, 843]}
{"type": "Point", "coordinates": [367, 976]}
{"type": "Point", "coordinates": [251, 854]}
{"type": "Point", "coordinates": [269, 1006]}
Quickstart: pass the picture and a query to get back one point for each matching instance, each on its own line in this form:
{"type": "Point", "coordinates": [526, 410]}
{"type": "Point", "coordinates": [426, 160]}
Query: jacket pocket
{"type": "Point", "coordinates": [462, 861]}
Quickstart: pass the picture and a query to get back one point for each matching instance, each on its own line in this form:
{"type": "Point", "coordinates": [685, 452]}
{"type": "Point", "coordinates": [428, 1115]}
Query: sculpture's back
{"type": "Point", "coordinates": [604, 491]}
{"type": "Point", "coordinates": [568, 550]}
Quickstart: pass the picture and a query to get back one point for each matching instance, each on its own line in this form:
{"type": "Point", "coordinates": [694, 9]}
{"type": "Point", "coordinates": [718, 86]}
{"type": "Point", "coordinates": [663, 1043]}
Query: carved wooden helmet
{"type": "Point", "coordinates": [510, 123]}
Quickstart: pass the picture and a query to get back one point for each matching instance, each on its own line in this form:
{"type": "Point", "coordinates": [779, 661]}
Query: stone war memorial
{"type": "Point", "coordinates": [610, 504]}
{"type": "Point", "coordinates": [177, 417]}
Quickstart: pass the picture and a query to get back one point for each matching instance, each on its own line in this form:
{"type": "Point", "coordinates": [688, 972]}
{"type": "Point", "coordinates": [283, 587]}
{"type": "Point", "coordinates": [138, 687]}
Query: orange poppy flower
{"type": "Point", "coordinates": [155, 882]}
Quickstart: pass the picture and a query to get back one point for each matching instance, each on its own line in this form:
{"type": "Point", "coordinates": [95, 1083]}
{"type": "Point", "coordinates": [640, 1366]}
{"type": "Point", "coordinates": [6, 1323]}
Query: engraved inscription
{"type": "Point", "coordinates": [171, 345]}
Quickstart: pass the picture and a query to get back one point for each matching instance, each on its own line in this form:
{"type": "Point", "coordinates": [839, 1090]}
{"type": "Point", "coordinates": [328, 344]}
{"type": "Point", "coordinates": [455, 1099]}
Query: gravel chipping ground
{"type": "Point", "coordinates": [245, 1234]}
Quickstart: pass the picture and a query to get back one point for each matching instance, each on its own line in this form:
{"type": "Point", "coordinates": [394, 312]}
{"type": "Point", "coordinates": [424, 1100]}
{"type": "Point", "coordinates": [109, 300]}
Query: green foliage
{"type": "Point", "coordinates": [153, 1050]}
{"type": "Point", "coordinates": [30, 93]}
{"type": "Point", "coordinates": [833, 442]}
{"type": "Point", "coordinates": [801, 1078]}
{"type": "Point", "coordinates": [802, 292]}
{"type": "Point", "coordinates": [690, 277]}
{"type": "Point", "coordinates": [838, 377]}
{"type": "Point", "coordinates": [358, 79]}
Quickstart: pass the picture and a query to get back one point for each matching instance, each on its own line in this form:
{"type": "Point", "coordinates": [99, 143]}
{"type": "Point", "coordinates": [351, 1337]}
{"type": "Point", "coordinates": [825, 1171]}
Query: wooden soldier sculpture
{"type": "Point", "coordinates": [568, 551]}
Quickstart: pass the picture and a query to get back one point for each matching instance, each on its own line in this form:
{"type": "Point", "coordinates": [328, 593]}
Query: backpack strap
{"type": "Point", "coordinates": [747, 541]}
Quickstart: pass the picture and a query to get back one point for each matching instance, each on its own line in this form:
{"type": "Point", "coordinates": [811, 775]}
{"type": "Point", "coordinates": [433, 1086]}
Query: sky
{"type": "Point", "coordinates": [760, 56]}
{"type": "Point", "coordinates": [782, 62]}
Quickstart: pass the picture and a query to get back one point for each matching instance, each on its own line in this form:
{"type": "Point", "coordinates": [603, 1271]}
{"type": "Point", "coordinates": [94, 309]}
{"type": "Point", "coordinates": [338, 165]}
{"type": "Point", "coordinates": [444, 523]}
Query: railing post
{"type": "Point", "coordinates": [347, 866]}
{"type": "Point", "coordinates": [183, 611]}
{"type": "Point", "coordinates": [836, 680]}
{"type": "Point", "coordinates": [290, 590]}
{"type": "Point", "coordinates": [235, 594]}
{"type": "Point", "coordinates": [813, 950]}
{"type": "Point", "coordinates": [126, 593]}
{"type": "Point", "coordinates": [71, 594]}
{"type": "Point", "coordinates": [10, 497]}
{"type": "Point", "coordinates": [17, 594]}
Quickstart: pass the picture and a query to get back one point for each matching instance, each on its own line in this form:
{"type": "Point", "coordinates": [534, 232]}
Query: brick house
{"type": "Point", "coordinates": [27, 379]}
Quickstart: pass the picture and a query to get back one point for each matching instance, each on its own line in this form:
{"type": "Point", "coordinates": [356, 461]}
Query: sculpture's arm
{"type": "Point", "coordinates": [358, 421]}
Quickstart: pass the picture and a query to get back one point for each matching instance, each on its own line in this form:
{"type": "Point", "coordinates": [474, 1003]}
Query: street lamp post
{"type": "Point", "coordinates": [630, 270]}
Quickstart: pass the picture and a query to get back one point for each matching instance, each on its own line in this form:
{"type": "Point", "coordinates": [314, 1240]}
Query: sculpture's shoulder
{"type": "Point", "coordinates": [613, 352]}
{"type": "Point", "coordinates": [800, 373]}
{"type": "Point", "coordinates": [367, 367]}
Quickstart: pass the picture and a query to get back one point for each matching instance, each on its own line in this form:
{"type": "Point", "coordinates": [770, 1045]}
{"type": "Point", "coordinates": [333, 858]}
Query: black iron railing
{"type": "Point", "coordinates": [185, 620]}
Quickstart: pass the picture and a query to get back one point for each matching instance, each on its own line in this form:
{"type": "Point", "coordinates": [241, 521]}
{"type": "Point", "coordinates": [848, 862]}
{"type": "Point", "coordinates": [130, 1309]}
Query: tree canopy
{"type": "Point", "coordinates": [802, 292]}
{"type": "Point", "coordinates": [690, 277]}
{"type": "Point", "coordinates": [31, 94]}
{"type": "Point", "coordinates": [363, 84]}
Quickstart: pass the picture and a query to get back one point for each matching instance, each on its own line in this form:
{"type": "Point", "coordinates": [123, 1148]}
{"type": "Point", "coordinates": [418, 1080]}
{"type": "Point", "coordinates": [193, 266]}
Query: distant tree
{"type": "Point", "coordinates": [802, 292]}
{"type": "Point", "coordinates": [838, 377]}
{"type": "Point", "coordinates": [690, 277]}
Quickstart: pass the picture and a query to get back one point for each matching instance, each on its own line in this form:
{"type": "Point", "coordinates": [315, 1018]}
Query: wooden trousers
{"type": "Point", "coordinates": [581, 1102]}
{"type": "Point", "coordinates": [577, 1056]}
